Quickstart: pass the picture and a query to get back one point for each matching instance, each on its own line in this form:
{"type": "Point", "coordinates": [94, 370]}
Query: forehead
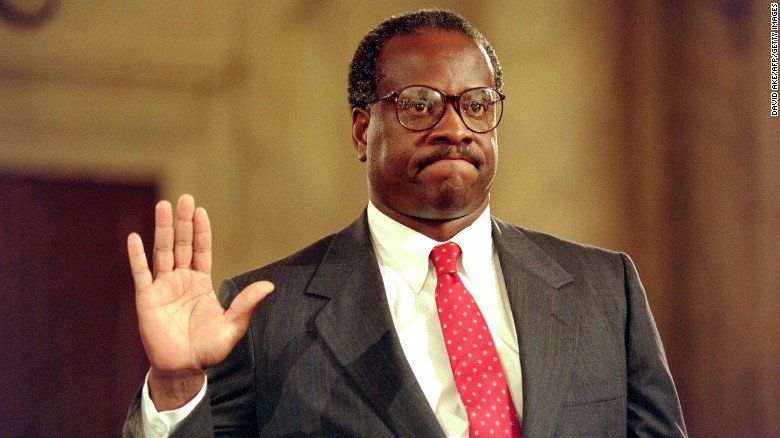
{"type": "Point", "coordinates": [447, 60]}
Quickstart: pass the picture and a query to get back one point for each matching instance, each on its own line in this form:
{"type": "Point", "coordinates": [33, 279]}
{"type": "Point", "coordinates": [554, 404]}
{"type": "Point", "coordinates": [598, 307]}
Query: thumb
{"type": "Point", "coordinates": [244, 303]}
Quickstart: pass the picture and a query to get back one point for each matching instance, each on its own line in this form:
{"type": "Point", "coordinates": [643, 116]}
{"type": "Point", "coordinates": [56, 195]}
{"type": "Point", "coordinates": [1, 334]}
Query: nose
{"type": "Point", "coordinates": [450, 129]}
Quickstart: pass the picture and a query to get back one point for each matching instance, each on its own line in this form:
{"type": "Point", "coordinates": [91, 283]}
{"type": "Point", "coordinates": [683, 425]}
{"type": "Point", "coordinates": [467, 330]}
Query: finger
{"type": "Point", "coordinates": [201, 241]}
{"type": "Point", "coordinates": [139, 266]}
{"type": "Point", "coordinates": [182, 252]}
{"type": "Point", "coordinates": [240, 309]}
{"type": "Point", "coordinates": [163, 237]}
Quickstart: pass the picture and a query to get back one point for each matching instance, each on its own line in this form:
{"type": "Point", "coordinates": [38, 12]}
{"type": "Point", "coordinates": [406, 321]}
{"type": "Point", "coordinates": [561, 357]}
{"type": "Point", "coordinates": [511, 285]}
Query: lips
{"type": "Point", "coordinates": [460, 152]}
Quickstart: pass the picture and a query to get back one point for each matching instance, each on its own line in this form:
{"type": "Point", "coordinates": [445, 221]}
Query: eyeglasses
{"type": "Point", "coordinates": [419, 107]}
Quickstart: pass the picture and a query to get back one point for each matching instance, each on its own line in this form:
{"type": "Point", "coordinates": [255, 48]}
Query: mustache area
{"type": "Point", "coordinates": [461, 151]}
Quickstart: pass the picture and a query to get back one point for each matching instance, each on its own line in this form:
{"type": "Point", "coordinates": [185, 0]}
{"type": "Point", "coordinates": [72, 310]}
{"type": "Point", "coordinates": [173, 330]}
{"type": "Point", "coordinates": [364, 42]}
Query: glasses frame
{"type": "Point", "coordinates": [452, 99]}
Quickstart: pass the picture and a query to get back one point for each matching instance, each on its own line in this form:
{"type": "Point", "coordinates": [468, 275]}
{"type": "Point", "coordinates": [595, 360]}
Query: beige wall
{"type": "Point", "coordinates": [243, 104]}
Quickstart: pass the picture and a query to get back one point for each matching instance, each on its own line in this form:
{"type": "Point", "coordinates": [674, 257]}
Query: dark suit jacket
{"type": "Point", "coordinates": [322, 358]}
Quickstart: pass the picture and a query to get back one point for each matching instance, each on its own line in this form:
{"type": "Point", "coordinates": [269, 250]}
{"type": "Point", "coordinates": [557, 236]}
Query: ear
{"type": "Point", "coordinates": [360, 119]}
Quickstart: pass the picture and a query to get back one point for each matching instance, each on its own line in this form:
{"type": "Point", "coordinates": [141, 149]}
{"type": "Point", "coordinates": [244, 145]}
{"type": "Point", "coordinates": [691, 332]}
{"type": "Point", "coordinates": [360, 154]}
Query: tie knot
{"type": "Point", "coordinates": [445, 258]}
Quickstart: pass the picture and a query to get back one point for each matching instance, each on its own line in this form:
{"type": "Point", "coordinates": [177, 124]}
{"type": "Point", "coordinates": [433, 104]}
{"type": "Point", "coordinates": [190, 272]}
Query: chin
{"type": "Point", "coordinates": [449, 205]}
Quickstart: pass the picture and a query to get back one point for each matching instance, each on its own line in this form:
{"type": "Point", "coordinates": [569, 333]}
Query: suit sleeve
{"type": "Point", "coordinates": [653, 405]}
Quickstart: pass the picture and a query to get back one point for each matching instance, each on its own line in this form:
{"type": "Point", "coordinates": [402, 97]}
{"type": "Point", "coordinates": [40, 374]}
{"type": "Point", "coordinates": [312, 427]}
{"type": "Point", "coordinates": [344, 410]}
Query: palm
{"type": "Point", "coordinates": [183, 326]}
{"type": "Point", "coordinates": [180, 321]}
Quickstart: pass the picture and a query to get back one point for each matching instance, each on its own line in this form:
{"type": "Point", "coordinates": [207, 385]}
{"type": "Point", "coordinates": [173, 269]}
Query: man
{"type": "Point", "coordinates": [358, 337]}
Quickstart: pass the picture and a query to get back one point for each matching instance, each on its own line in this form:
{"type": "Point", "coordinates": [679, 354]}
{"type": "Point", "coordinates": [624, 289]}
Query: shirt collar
{"type": "Point", "coordinates": [406, 251]}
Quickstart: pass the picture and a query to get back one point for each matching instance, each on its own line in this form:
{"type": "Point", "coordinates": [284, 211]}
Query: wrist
{"type": "Point", "coordinates": [172, 390]}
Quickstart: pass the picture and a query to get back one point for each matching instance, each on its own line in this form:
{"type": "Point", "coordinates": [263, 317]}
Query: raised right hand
{"type": "Point", "coordinates": [184, 329]}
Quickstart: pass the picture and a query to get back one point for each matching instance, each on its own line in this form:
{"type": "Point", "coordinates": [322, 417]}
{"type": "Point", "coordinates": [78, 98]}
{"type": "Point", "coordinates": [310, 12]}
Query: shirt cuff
{"type": "Point", "coordinates": [162, 424]}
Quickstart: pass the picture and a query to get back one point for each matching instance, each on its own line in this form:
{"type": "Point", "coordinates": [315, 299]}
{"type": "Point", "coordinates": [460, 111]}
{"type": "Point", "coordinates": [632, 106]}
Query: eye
{"type": "Point", "coordinates": [415, 107]}
{"type": "Point", "coordinates": [476, 108]}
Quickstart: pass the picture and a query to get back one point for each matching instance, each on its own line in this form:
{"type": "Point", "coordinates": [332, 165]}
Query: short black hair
{"type": "Point", "coordinates": [363, 73]}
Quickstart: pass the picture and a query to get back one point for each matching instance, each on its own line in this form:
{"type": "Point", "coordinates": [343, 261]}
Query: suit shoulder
{"type": "Point", "coordinates": [565, 251]}
{"type": "Point", "coordinates": [549, 240]}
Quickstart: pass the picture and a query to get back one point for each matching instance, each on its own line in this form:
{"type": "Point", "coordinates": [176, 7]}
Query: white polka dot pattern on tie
{"type": "Point", "coordinates": [476, 368]}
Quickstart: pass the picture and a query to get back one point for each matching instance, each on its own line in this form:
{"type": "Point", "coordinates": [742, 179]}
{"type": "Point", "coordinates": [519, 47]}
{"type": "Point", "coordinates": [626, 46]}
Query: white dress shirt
{"type": "Point", "coordinates": [410, 282]}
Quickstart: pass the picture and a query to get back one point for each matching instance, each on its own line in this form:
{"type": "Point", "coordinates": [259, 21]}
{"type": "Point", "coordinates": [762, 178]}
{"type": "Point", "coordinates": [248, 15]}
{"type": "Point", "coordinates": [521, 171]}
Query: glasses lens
{"type": "Point", "coordinates": [419, 108]}
{"type": "Point", "coordinates": [481, 109]}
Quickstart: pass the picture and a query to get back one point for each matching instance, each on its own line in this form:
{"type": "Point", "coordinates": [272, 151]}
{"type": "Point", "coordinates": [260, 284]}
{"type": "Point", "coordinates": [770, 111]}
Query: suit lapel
{"type": "Point", "coordinates": [357, 326]}
{"type": "Point", "coordinates": [547, 324]}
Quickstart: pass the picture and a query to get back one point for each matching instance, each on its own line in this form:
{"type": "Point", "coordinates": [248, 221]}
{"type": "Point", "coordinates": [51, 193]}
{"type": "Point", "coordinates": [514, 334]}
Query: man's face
{"type": "Point", "coordinates": [444, 172]}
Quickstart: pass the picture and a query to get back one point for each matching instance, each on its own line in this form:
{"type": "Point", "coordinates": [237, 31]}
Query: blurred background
{"type": "Point", "coordinates": [640, 127]}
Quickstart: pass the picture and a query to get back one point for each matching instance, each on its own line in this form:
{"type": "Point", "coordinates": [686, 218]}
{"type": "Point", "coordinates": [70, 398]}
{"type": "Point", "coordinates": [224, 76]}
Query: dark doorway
{"type": "Point", "coordinates": [71, 354]}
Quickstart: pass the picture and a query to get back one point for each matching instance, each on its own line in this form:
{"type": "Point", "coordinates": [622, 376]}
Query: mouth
{"type": "Point", "coordinates": [459, 153]}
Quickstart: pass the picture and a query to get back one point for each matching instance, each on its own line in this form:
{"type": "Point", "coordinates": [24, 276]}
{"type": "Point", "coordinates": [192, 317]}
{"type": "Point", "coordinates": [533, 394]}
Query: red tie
{"type": "Point", "coordinates": [476, 367]}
